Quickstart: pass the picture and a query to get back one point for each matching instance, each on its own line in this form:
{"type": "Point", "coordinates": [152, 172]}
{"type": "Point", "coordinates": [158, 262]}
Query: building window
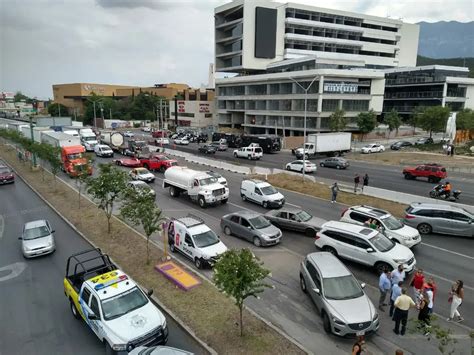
{"type": "Point", "coordinates": [185, 114]}
{"type": "Point", "coordinates": [330, 105]}
{"type": "Point", "coordinates": [257, 89]}
{"type": "Point", "coordinates": [355, 105]}
{"type": "Point", "coordinates": [208, 115]}
{"type": "Point", "coordinates": [221, 104]}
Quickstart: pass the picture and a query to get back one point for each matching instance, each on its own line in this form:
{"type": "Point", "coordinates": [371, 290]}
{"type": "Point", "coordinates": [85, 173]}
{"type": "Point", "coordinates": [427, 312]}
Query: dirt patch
{"type": "Point", "coordinates": [211, 315]}
{"type": "Point", "coordinates": [320, 190]}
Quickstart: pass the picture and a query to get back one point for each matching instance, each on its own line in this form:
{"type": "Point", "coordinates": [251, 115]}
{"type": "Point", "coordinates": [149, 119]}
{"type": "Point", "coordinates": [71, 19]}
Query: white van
{"type": "Point", "coordinates": [249, 153]}
{"type": "Point", "coordinates": [103, 150]}
{"type": "Point", "coordinates": [262, 193]}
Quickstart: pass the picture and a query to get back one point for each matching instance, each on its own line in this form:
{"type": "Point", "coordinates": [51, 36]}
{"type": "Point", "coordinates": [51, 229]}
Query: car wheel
{"type": "Point", "coordinates": [430, 179]}
{"type": "Point", "coordinates": [381, 267]}
{"type": "Point", "coordinates": [265, 204]}
{"type": "Point", "coordinates": [74, 310]}
{"type": "Point", "coordinates": [326, 323]}
{"type": "Point", "coordinates": [244, 198]}
{"type": "Point", "coordinates": [108, 349]}
{"type": "Point", "coordinates": [303, 284]}
{"type": "Point", "coordinates": [227, 230]}
{"type": "Point", "coordinates": [202, 202]}
{"type": "Point", "coordinates": [321, 165]}
{"type": "Point", "coordinates": [338, 166]}
{"type": "Point", "coordinates": [162, 169]}
{"type": "Point", "coordinates": [408, 176]}
{"type": "Point", "coordinates": [310, 232]}
{"type": "Point", "coordinates": [330, 250]}
{"type": "Point", "coordinates": [288, 167]}
{"type": "Point", "coordinates": [257, 242]}
{"type": "Point", "coordinates": [146, 166]}
{"type": "Point", "coordinates": [249, 157]}
{"type": "Point", "coordinates": [424, 228]}
{"type": "Point", "coordinates": [174, 192]}
{"type": "Point", "coordinates": [198, 263]}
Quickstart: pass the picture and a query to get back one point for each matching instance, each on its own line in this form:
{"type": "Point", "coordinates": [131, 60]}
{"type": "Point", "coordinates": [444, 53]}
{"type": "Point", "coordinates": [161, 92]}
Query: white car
{"type": "Point", "coordinates": [372, 148]}
{"type": "Point", "coordinates": [220, 179]}
{"type": "Point", "coordinates": [141, 187]}
{"type": "Point", "coordinates": [249, 153]}
{"type": "Point", "coordinates": [262, 193]}
{"type": "Point", "coordinates": [162, 141]}
{"type": "Point", "coordinates": [363, 245]}
{"type": "Point", "coordinates": [158, 350]}
{"type": "Point", "coordinates": [146, 129]}
{"type": "Point", "coordinates": [142, 174]}
{"type": "Point", "coordinates": [195, 240]}
{"type": "Point", "coordinates": [128, 134]}
{"type": "Point", "coordinates": [103, 150]}
{"type": "Point", "coordinates": [37, 239]}
{"type": "Point", "coordinates": [390, 226]}
{"type": "Point", "coordinates": [297, 165]}
{"type": "Point", "coordinates": [181, 141]}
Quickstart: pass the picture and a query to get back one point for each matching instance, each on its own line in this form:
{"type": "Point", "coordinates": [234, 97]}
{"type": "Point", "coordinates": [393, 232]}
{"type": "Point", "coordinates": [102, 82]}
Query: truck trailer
{"type": "Point", "coordinates": [329, 144]}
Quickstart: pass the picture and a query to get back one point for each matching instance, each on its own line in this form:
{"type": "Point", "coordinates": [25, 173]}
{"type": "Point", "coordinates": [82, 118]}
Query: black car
{"type": "Point", "coordinates": [338, 163]}
{"type": "Point", "coordinates": [400, 145]}
{"type": "Point", "coordinates": [207, 149]}
{"type": "Point", "coordinates": [424, 140]}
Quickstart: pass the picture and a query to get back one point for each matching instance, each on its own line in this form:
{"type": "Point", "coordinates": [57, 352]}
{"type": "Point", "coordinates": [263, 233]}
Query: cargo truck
{"type": "Point", "coordinates": [117, 142]}
{"type": "Point", "coordinates": [330, 144]}
{"type": "Point", "coordinates": [39, 131]}
{"type": "Point", "coordinates": [88, 139]}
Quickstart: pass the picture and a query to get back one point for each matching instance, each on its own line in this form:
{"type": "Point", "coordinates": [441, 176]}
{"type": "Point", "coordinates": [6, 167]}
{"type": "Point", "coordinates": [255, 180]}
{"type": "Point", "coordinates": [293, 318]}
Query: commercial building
{"type": "Point", "coordinates": [407, 89]}
{"type": "Point", "coordinates": [273, 45]}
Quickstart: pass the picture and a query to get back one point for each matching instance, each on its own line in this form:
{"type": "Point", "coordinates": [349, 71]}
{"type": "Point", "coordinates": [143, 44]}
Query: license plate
{"type": "Point", "coordinates": [359, 334]}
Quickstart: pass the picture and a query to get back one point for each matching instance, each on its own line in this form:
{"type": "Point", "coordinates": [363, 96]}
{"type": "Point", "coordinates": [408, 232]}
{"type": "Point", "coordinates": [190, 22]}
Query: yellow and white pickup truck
{"type": "Point", "coordinates": [113, 305]}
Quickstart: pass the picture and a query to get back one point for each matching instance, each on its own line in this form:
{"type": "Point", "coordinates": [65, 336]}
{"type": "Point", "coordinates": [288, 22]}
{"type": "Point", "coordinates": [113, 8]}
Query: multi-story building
{"type": "Point", "coordinates": [436, 85]}
{"type": "Point", "coordinates": [273, 45]}
{"type": "Point", "coordinates": [195, 109]}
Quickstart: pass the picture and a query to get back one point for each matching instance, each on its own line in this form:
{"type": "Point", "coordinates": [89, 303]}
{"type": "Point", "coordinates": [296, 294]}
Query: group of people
{"type": "Point", "coordinates": [335, 186]}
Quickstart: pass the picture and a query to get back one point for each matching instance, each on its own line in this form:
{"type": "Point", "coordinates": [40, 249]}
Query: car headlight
{"type": "Point", "coordinates": [376, 316]}
{"type": "Point", "coordinates": [119, 347]}
{"type": "Point", "coordinates": [337, 320]}
{"type": "Point", "coordinates": [399, 261]}
{"type": "Point", "coordinates": [164, 325]}
{"type": "Point", "coordinates": [26, 248]}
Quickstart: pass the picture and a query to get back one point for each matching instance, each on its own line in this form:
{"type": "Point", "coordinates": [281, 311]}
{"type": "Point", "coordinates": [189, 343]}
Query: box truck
{"type": "Point", "coordinates": [329, 144]}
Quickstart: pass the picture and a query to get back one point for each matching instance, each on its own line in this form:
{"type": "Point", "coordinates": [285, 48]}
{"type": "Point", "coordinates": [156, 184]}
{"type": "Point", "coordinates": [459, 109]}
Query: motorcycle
{"type": "Point", "coordinates": [439, 192]}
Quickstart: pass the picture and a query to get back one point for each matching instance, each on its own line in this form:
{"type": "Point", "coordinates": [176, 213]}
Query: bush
{"type": "Point", "coordinates": [136, 125]}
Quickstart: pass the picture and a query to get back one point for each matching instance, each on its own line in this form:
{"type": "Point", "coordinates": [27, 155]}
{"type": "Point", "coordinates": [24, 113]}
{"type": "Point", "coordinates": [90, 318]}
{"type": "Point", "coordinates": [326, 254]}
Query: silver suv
{"type": "Point", "coordinates": [390, 226]}
{"type": "Point", "coordinates": [437, 218]}
{"type": "Point", "coordinates": [338, 296]}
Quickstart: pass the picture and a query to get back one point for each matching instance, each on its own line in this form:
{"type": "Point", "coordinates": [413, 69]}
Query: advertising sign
{"type": "Point", "coordinates": [204, 108]}
{"type": "Point", "coordinates": [181, 107]}
{"type": "Point", "coordinates": [341, 87]}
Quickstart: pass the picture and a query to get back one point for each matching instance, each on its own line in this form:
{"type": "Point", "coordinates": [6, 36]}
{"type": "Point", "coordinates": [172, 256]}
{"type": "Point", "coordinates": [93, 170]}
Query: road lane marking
{"type": "Point", "coordinates": [13, 270]}
{"type": "Point", "coordinates": [293, 205]}
{"type": "Point", "coordinates": [448, 251]}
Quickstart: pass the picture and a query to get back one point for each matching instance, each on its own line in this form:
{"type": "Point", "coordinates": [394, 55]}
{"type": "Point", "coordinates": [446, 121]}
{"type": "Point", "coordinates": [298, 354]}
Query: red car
{"type": "Point", "coordinates": [6, 175]}
{"type": "Point", "coordinates": [128, 162]}
{"type": "Point", "coordinates": [433, 172]}
{"type": "Point", "coordinates": [157, 162]}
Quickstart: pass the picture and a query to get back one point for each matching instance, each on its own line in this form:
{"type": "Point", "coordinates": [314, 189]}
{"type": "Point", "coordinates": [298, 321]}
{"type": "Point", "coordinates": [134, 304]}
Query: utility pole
{"type": "Point", "coordinates": [95, 117]}
{"type": "Point", "coordinates": [59, 107]}
{"type": "Point", "coordinates": [32, 138]}
{"type": "Point", "coordinates": [110, 111]}
{"type": "Point", "coordinates": [160, 123]}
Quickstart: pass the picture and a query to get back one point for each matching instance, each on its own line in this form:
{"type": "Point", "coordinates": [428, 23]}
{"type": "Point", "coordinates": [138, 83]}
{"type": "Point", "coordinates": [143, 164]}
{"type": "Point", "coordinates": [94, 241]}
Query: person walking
{"type": "Point", "coordinates": [384, 287]}
{"type": "Point", "coordinates": [452, 150]}
{"type": "Point", "coordinates": [402, 305]}
{"type": "Point", "coordinates": [456, 297]}
{"type": "Point", "coordinates": [396, 291]}
{"type": "Point", "coordinates": [424, 315]}
{"type": "Point", "coordinates": [356, 182]}
{"type": "Point", "coordinates": [428, 292]}
{"type": "Point", "coordinates": [398, 275]}
{"type": "Point", "coordinates": [365, 181]}
{"type": "Point", "coordinates": [448, 150]}
{"type": "Point", "coordinates": [433, 286]}
{"type": "Point", "coordinates": [417, 281]}
{"type": "Point", "coordinates": [358, 347]}
{"type": "Point", "coordinates": [335, 190]}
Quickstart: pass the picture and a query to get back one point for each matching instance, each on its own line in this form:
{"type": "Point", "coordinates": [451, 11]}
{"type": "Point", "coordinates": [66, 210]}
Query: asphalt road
{"type": "Point", "coordinates": [34, 315]}
{"type": "Point", "coordinates": [443, 257]}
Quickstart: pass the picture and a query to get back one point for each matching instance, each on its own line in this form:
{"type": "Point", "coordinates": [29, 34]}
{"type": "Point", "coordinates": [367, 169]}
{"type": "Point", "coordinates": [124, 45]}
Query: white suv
{"type": "Point", "coordinates": [249, 153]}
{"type": "Point", "coordinates": [262, 193]}
{"type": "Point", "coordinates": [195, 240]}
{"type": "Point", "coordinates": [364, 246]}
{"type": "Point", "coordinates": [391, 226]}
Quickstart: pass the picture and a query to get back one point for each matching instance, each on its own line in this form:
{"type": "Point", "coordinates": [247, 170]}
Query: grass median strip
{"type": "Point", "coordinates": [212, 316]}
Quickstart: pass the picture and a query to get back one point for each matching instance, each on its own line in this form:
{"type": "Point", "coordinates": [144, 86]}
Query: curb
{"type": "Point", "coordinates": [161, 305]}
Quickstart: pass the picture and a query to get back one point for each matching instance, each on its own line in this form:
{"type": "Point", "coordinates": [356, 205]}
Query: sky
{"type": "Point", "coordinates": [141, 42]}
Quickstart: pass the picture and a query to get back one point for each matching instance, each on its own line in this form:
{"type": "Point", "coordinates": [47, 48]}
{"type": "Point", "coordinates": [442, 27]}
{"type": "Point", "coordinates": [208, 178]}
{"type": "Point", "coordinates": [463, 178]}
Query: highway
{"type": "Point", "coordinates": [34, 314]}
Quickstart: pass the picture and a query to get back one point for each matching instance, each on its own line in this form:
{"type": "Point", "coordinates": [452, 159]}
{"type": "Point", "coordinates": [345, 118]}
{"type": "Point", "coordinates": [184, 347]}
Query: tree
{"type": "Point", "coordinates": [53, 110]}
{"type": "Point", "coordinates": [434, 119]}
{"type": "Point", "coordinates": [140, 209]}
{"type": "Point", "coordinates": [465, 119]}
{"type": "Point", "coordinates": [239, 274]}
{"type": "Point", "coordinates": [393, 120]}
{"type": "Point", "coordinates": [337, 121]}
{"type": "Point", "coordinates": [414, 118]}
{"type": "Point", "coordinates": [53, 156]}
{"type": "Point", "coordinates": [366, 121]}
{"type": "Point", "coordinates": [19, 96]}
{"type": "Point", "coordinates": [83, 176]}
{"type": "Point", "coordinates": [107, 188]}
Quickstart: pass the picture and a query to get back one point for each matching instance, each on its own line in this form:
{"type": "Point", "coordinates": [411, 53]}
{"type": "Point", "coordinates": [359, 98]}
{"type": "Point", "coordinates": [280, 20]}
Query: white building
{"type": "Point", "coordinates": [193, 114]}
{"type": "Point", "coordinates": [274, 47]}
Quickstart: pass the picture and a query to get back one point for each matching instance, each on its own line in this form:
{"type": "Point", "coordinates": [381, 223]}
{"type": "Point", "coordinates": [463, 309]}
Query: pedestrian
{"type": "Point", "coordinates": [396, 291]}
{"type": "Point", "coordinates": [417, 283]}
{"type": "Point", "coordinates": [448, 150]}
{"type": "Point", "coordinates": [384, 287]}
{"type": "Point", "coordinates": [433, 286]}
{"type": "Point", "coordinates": [428, 291]}
{"type": "Point", "coordinates": [357, 348]}
{"type": "Point", "coordinates": [335, 190]}
{"type": "Point", "coordinates": [424, 315]}
{"type": "Point", "coordinates": [402, 305]}
{"type": "Point", "coordinates": [365, 181]}
{"type": "Point", "coordinates": [398, 275]}
{"type": "Point", "coordinates": [456, 298]}
{"type": "Point", "coordinates": [356, 182]}
{"type": "Point", "coordinates": [452, 149]}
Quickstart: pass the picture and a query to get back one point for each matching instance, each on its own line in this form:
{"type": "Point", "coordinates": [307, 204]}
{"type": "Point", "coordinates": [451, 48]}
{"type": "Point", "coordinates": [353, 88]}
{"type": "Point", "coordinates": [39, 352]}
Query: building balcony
{"type": "Point", "coordinates": [413, 95]}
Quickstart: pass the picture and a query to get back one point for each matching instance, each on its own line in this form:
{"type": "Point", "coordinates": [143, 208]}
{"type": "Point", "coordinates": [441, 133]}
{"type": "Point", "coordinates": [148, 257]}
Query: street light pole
{"type": "Point", "coordinates": [304, 123]}
{"type": "Point", "coordinates": [32, 138]}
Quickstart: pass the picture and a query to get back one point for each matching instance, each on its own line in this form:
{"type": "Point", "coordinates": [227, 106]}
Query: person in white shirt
{"type": "Point", "coordinates": [398, 275]}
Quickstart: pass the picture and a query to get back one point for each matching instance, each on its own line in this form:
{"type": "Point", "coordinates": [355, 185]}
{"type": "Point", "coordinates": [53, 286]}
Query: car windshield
{"type": "Point", "coordinates": [213, 174]}
{"type": "Point", "coordinates": [205, 239]}
{"type": "Point", "coordinates": [381, 242]}
{"type": "Point", "coordinates": [142, 172]}
{"type": "Point", "coordinates": [4, 170]}
{"type": "Point", "coordinates": [124, 303]}
{"type": "Point", "coordinates": [74, 156]}
{"type": "Point", "coordinates": [304, 216]}
{"type": "Point", "coordinates": [392, 223]}
{"type": "Point", "coordinates": [259, 222]}
{"type": "Point", "coordinates": [37, 232]}
{"type": "Point", "coordinates": [342, 288]}
{"type": "Point", "coordinates": [268, 190]}
{"type": "Point", "coordinates": [207, 181]}
{"type": "Point", "coordinates": [89, 139]}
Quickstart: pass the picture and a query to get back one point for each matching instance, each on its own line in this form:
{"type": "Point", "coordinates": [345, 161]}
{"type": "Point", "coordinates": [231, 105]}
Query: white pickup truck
{"type": "Point", "coordinates": [200, 186]}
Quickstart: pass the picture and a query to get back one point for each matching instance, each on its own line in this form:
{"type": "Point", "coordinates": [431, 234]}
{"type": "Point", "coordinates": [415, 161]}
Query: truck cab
{"type": "Point", "coordinates": [73, 161]}
{"type": "Point", "coordinates": [88, 139]}
{"type": "Point", "coordinates": [113, 306]}
{"type": "Point", "coordinates": [195, 240]}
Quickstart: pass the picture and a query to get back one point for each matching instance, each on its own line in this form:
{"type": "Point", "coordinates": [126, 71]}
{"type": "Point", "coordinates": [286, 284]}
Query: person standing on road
{"type": "Point", "coordinates": [396, 291]}
{"type": "Point", "coordinates": [384, 287]}
{"type": "Point", "coordinates": [358, 347]}
{"type": "Point", "coordinates": [398, 275]}
{"type": "Point", "coordinates": [402, 305]}
{"type": "Point", "coordinates": [335, 190]}
{"type": "Point", "coordinates": [424, 315]}
{"type": "Point", "coordinates": [452, 149]}
{"type": "Point", "coordinates": [356, 182]}
{"type": "Point", "coordinates": [456, 297]}
{"type": "Point", "coordinates": [433, 286]}
{"type": "Point", "coordinates": [448, 150]}
{"type": "Point", "coordinates": [417, 282]}
{"type": "Point", "coordinates": [428, 292]}
{"type": "Point", "coordinates": [365, 181]}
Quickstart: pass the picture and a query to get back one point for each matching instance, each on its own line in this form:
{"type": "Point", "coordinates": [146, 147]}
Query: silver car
{"type": "Point", "coordinates": [251, 226]}
{"type": "Point", "coordinates": [295, 219]}
{"type": "Point", "coordinates": [436, 218]}
{"type": "Point", "coordinates": [37, 239]}
{"type": "Point", "coordinates": [338, 296]}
